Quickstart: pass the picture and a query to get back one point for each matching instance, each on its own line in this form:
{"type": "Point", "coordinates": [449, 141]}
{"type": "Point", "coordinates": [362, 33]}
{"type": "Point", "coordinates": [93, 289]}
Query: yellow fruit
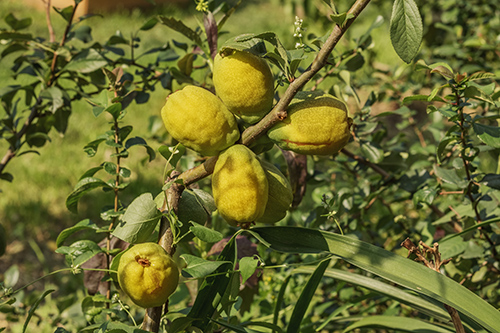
{"type": "Point", "coordinates": [280, 195]}
{"type": "Point", "coordinates": [147, 274]}
{"type": "Point", "coordinates": [317, 124]}
{"type": "Point", "coordinates": [239, 186]}
{"type": "Point", "coordinates": [244, 82]}
{"type": "Point", "coordinates": [199, 120]}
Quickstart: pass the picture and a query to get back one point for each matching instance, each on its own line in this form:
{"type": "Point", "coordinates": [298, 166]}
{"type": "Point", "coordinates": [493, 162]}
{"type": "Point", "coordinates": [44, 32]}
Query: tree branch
{"type": "Point", "coordinates": [278, 113]}
{"type": "Point", "coordinates": [152, 317]}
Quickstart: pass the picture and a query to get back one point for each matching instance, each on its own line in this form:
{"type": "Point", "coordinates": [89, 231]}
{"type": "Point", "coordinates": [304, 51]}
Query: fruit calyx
{"type": "Point", "coordinates": [143, 262]}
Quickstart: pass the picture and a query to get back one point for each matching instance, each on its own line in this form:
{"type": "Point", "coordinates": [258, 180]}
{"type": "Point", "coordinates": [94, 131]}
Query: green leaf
{"type": "Point", "coordinates": [423, 98]}
{"type": "Point", "coordinates": [139, 221]}
{"type": "Point", "coordinates": [16, 24]}
{"type": "Point", "coordinates": [371, 283]}
{"type": "Point", "coordinates": [246, 42]}
{"type": "Point", "coordinates": [450, 176]}
{"type": "Point", "coordinates": [179, 26]}
{"type": "Point", "coordinates": [15, 36]}
{"type": "Point", "coordinates": [87, 61]}
{"type": "Point", "coordinates": [279, 299]}
{"type": "Point", "coordinates": [172, 154]}
{"type": "Point", "coordinates": [206, 234]}
{"type": "Point", "coordinates": [490, 135]}
{"type": "Point", "coordinates": [481, 76]}
{"type": "Point", "coordinates": [82, 225]}
{"type": "Point", "coordinates": [83, 186]}
{"type": "Point", "coordinates": [444, 71]}
{"type": "Point", "coordinates": [55, 96]}
{"type": "Point", "coordinates": [388, 265]}
{"type": "Point", "coordinates": [406, 29]}
{"type": "Point", "coordinates": [213, 288]}
{"type": "Point", "coordinates": [34, 306]}
{"type": "Point", "coordinates": [473, 227]}
{"type": "Point", "coordinates": [247, 267]}
{"type": "Point", "coordinates": [305, 297]}
{"type": "Point", "coordinates": [373, 153]}
{"type": "Point", "coordinates": [65, 12]}
{"type": "Point", "coordinates": [7, 176]}
{"type": "Point", "coordinates": [138, 141]}
{"type": "Point", "coordinates": [114, 110]}
{"type": "Point", "coordinates": [149, 24]}
{"type": "Point", "coordinates": [11, 276]}
{"type": "Point", "coordinates": [426, 195]}
{"type": "Point", "coordinates": [198, 267]}
{"type": "Point", "coordinates": [399, 324]}
{"type": "Point", "coordinates": [492, 180]}
{"type": "Point", "coordinates": [79, 252]}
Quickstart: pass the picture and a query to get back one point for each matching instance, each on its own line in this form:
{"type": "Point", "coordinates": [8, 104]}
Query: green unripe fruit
{"type": "Point", "coordinates": [244, 82]}
{"type": "Point", "coordinates": [316, 124]}
{"type": "Point", "coordinates": [199, 120]}
{"type": "Point", "coordinates": [239, 186]}
{"type": "Point", "coordinates": [280, 195]}
{"type": "Point", "coordinates": [147, 274]}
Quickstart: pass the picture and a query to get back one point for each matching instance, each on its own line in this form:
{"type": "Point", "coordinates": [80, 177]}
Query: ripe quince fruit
{"type": "Point", "coordinates": [147, 274]}
{"type": "Point", "coordinates": [280, 194]}
{"type": "Point", "coordinates": [239, 186]}
{"type": "Point", "coordinates": [199, 120]}
{"type": "Point", "coordinates": [317, 124]}
{"type": "Point", "coordinates": [245, 83]}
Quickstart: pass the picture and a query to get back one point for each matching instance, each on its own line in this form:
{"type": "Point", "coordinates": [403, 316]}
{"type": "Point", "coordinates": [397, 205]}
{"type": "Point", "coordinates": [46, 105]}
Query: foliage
{"type": "Point", "coordinates": [422, 165]}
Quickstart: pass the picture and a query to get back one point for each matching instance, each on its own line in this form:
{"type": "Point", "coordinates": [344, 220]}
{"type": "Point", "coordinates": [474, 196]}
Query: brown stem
{"type": "Point", "coordinates": [11, 152]}
{"type": "Point", "coordinates": [434, 264]}
{"type": "Point", "coordinates": [455, 318]}
{"type": "Point", "coordinates": [63, 41]}
{"type": "Point", "coordinates": [166, 240]}
{"type": "Point", "coordinates": [369, 164]}
{"type": "Point", "coordinates": [468, 190]}
{"type": "Point", "coordinates": [52, 35]}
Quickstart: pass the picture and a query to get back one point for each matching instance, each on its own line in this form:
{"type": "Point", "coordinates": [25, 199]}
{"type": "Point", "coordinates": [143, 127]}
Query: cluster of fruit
{"type": "Point", "coordinates": [246, 188]}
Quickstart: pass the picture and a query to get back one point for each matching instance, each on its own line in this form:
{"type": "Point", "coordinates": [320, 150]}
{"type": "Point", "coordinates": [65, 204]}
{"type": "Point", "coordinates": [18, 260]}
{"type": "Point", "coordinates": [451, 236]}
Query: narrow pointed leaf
{"type": "Point", "coordinates": [305, 297]}
{"type": "Point", "coordinates": [385, 264]}
{"type": "Point", "coordinates": [400, 324]}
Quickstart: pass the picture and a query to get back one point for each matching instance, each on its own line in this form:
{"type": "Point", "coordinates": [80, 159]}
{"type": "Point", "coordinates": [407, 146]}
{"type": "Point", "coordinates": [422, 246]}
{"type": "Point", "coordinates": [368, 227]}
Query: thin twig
{"type": "Point", "coordinates": [434, 264]}
{"type": "Point", "coordinates": [52, 35]}
{"type": "Point", "coordinates": [371, 165]}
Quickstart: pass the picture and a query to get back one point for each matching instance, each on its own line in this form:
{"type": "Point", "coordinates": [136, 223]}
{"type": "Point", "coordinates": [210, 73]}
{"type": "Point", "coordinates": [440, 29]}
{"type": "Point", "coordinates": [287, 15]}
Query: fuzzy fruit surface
{"type": "Point", "coordinates": [280, 195]}
{"type": "Point", "coordinates": [147, 274]}
{"type": "Point", "coordinates": [245, 83]}
{"type": "Point", "coordinates": [316, 124]}
{"type": "Point", "coordinates": [239, 186]}
{"type": "Point", "coordinates": [199, 120]}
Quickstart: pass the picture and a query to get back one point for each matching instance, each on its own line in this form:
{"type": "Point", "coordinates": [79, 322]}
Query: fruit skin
{"type": "Point", "coordinates": [245, 83]}
{"type": "Point", "coordinates": [316, 124]}
{"type": "Point", "coordinates": [239, 186]}
{"type": "Point", "coordinates": [280, 194]}
{"type": "Point", "coordinates": [199, 120]}
{"type": "Point", "coordinates": [147, 274]}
